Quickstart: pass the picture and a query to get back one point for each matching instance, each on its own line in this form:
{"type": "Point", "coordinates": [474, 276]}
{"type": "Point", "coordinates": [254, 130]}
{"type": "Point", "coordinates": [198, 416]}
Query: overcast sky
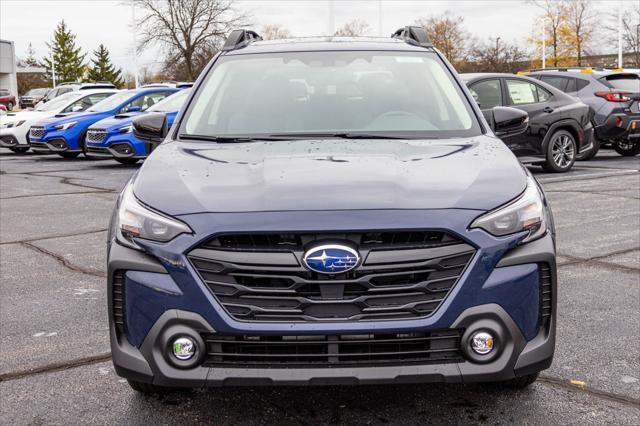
{"type": "Point", "coordinates": [108, 22]}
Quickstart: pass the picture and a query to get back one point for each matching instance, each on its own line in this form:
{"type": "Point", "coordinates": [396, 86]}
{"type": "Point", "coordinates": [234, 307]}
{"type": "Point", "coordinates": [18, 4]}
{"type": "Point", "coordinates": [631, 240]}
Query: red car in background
{"type": "Point", "coordinates": [7, 99]}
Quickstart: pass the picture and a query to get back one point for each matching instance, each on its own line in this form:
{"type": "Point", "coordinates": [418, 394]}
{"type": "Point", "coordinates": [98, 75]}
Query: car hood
{"type": "Point", "coordinates": [183, 178]}
{"type": "Point", "coordinates": [114, 123]}
{"type": "Point", "coordinates": [24, 115]}
{"type": "Point", "coordinates": [77, 116]}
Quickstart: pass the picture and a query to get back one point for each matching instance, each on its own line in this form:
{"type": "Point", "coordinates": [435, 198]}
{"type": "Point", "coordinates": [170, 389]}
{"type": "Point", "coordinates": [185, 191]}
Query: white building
{"type": "Point", "coordinates": [8, 78]}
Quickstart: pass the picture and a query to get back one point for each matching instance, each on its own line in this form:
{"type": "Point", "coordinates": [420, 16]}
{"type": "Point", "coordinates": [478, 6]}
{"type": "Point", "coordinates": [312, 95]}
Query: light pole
{"type": "Point", "coordinates": [544, 45]}
{"type": "Point", "coordinates": [53, 68]}
{"type": "Point", "coordinates": [133, 48]}
{"type": "Point", "coordinates": [620, 35]}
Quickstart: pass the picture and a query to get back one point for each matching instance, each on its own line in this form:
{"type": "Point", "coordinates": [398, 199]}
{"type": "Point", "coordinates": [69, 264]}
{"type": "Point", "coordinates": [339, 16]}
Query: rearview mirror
{"type": "Point", "coordinates": [506, 121]}
{"type": "Point", "coordinates": [151, 127]}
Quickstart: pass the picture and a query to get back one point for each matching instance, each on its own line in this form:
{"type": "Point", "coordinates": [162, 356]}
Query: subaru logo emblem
{"type": "Point", "coordinates": [331, 259]}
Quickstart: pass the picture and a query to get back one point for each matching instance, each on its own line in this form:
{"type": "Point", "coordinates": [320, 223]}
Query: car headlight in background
{"type": "Point", "coordinates": [526, 213]}
{"type": "Point", "coordinates": [13, 124]}
{"type": "Point", "coordinates": [125, 129]}
{"type": "Point", "coordinates": [137, 221]}
{"type": "Point", "coordinates": [65, 126]}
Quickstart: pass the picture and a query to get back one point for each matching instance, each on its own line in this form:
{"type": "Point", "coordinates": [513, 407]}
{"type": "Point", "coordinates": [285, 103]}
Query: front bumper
{"type": "Point", "coordinates": [117, 146]}
{"type": "Point", "coordinates": [10, 138]}
{"type": "Point", "coordinates": [479, 301]}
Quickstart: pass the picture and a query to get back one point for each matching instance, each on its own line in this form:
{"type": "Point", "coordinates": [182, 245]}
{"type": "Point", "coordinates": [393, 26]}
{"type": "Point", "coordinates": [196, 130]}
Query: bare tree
{"type": "Point", "coordinates": [630, 30]}
{"type": "Point", "coordinates": [579, 27]}
{"type": "Point", "coordinates": [448, 35]}
{"type": "Point", "coordinates": [553, 18]}
{"type": "Point", "coordinates": [497, 56]}
{"type": "Point", "coordinates": [189, 30]}
{"type": "Point", "coordinates": [354, 28]}
{"type": "Point", "coordinates": [274, 32]}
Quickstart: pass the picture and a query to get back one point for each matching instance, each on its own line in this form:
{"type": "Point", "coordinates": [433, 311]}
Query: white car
{"type": "Point", "coordinates": [14, 127]}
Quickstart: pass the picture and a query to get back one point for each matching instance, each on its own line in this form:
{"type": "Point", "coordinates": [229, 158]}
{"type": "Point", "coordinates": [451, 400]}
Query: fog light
{"type": "Point", "coordinates": [482, 343]}
{"type": "Point", "coordinates": [184, 348]}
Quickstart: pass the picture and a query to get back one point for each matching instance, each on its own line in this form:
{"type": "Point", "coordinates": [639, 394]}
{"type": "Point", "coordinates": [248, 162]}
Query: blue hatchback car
{"type": "Point", "coordinates": [66, 135]}
{"type": "Point", "coordinates": [331, 211]}
{"type": "Point", "coordinates": [113, 137]}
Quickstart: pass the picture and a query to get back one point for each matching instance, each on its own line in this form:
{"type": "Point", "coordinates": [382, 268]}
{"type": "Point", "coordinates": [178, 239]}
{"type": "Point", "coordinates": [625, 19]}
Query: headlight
{"type": "Point", "coordinates": [65, 126]}
{"type": "Point", "coordinates": [137, 221]}
{"type": "Point", "coordinates": [527, 213]}
{"type": "Point", "coordinates": [125, 129]}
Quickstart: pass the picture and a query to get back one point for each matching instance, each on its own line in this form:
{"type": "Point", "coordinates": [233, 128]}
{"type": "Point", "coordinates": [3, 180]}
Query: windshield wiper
{"type": "Point", "coordinates": [336, 135]}
{"type": "Point", "coordinates": [227, 139]}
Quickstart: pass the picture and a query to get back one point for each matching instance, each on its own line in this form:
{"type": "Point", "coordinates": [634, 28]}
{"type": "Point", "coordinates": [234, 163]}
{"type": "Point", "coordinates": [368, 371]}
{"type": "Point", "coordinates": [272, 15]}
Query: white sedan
{"type": "Point", "coordinates": [14, 127]}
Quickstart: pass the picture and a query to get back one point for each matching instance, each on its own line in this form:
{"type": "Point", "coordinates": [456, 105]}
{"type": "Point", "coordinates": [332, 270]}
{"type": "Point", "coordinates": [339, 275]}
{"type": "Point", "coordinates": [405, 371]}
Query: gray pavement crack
{"type": "Point", "coordinates": [598, 261]}
{"type": "Point", "coordinates": [74, 234]}
{"type": "Point", "coordinates": [66, 180]}
{"type": "Point", "coordinates": [64, 262]}
{"type": "Point", "coordinates": [56, 366]}
{"type": "Point", "coordinates": [606, 194]}
{"type": "Point", "coordinates": [622, 399]}
{"type": "Point", "coordinates": [54, 194]}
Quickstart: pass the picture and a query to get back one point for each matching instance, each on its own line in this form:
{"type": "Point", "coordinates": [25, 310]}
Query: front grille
{"type": "Point", "coordinates": [546, 292]}
{"type": "Point", "coordinates": [96, 135]}
{"type": "Point", "coordinates": [333, 351]}
{"type": "Point", "coordinates": [259, 278]}
{"type": "Point", "coordinates": [36, 132]}
{"type": "Point", "coordinates": [117, 289]}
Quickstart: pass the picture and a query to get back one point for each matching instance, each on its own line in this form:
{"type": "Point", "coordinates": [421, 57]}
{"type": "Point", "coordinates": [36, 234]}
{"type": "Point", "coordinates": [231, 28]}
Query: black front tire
{"type": "Point", "coordinates": [10, 106]}
{"type": "Point", "coordinates": [561, 152]}
{"type": "Point", "coordinates": [148, 388]}
{"type": "Point", "coordinates": [127, 160]}
{"type": "Point", "coordinates": [19, 149]}
{"type": "Point", "coordinates": [626, 148]}
{"type": "Point", "coordinates": [68, 154]}
{"type": "Point", "coordinates": [589, 155]}
{"type": "Point", "coordinates": [521, 382]}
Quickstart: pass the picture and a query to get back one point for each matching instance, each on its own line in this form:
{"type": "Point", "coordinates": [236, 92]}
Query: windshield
{"type": "Point", "coordinates": [112, 101]}
{"type": "Point", "coordinates": [400, 94]}
{"type": "Point", "coordinates": [171, 103]}
{"type": "Point", "coordinates": [626, 82]}
{"type": "Point", "coordinates": [36, 92]}
{"type": "Point", "coordinates": [58, 102]}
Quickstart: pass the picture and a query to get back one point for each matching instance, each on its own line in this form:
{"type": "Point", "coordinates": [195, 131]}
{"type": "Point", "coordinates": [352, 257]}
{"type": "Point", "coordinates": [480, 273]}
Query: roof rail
{"type": "Point", "coordinates": [413, 35]}
{"type": "Point", "coordinates": [239, 39]}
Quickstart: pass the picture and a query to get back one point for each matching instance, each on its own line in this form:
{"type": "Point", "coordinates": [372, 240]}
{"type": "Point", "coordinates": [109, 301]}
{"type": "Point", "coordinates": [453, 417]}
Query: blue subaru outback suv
{"type": "Point", "coordinates": [331, 211]}
{"type": "Point", "coordinates": [65, 134]}
{"type": "Point", "coordinates": [112, 137]}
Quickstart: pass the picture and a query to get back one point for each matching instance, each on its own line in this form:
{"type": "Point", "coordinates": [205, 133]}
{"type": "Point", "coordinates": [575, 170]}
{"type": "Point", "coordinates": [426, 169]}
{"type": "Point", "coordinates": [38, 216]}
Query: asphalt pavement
{"type": "Point", "coordinates": [54, 356]}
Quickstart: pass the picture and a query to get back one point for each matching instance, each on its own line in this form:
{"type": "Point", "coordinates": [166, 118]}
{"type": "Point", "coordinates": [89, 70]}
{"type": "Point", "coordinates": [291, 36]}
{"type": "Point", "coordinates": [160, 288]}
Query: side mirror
{"type": "Point", "coordinates": [506, 121]}
{"type": "Point", "coordinates": [134, 108]}
{"type": "Point", "coordinates": [77, 108]}
{"type": "Point", "coordinates": [151, 127]}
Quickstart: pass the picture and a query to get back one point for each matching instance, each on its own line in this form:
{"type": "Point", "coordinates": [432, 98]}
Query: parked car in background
{"type": "Point", "coordinates": [66, 135]}
{"type": "Point", "coordinates": [330, 211]}
{"type": "Point", "coordinates": [63, 88]}
{"type": "Point", "coordinates": [14, 127]}
{"type": "Point", "coordinates": [559, 125]}
{"type": "Point", "coordinates": [113, 136]}
{"type": "Point", "coordinates": [176, 84]}
{"type": "Point", "coordinates": [7, 99]}
{"type": "Point", "coordinates": [614, 97]}
{"type": "Point", "coordinates": [32, 97]}
{"type": "Point", "coordinates": [3, 108]}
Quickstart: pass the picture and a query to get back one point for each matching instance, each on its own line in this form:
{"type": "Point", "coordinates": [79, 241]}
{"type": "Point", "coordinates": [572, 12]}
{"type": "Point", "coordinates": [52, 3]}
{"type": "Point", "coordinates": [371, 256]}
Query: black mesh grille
{"type": "Point", "coordinates": [96, 135]}
{"type": "Point", "coordinates": [546, 292]}
{"type": "Point", "coordinates": [372, 349]}
{"type": "Point", "coordinates": [118, 300]}
{"type": "Point", "coordinates": [36, 132]}
{"type": "Point", "coordinates": [270, 283]}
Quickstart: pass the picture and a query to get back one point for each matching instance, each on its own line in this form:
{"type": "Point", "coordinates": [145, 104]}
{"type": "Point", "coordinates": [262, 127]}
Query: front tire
{"type": "Point", "coordinates": [561, 152]}
{"type": "Point", "coordinates": [127, 160]}
{"type": "Point", "coordinates": [68, 154]}
{"type": "Point", "coordinates": [626, 148]}
{"type": "Point", "coordinates": [148, 388]}
{"type": "Point", "coordinates": [10, 106]}
{"type": "Point", "coordinates": [521, 382]}
{"type": "Point", "coordinates": [19, 149]}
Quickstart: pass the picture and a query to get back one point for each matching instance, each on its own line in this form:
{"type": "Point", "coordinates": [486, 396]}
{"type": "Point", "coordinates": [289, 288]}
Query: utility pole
{"type": "Point", "coordinates": [380, 18]}
{"type": "Point", "coordinates": [133, 48]}
{"type": "Point", "coordinates": [53, 68]}
{"type": "Point", "coordinates": [620, 35]}
{"type": "Point", "coordinates": [544, 45]}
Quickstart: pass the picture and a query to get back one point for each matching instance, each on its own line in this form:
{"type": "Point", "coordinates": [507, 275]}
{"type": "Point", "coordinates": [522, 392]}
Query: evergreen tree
{"type": "Point", "coordinates": [31, 57]}
{"type": "Point", "coordinates": [102, 69]}
{"type": "Point", "coordinates": [68, 59]}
